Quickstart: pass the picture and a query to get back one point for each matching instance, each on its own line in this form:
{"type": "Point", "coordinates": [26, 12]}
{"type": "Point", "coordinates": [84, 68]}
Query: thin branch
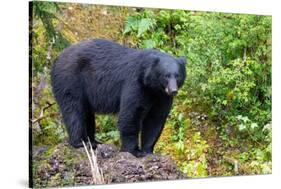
{"type": "Point", "coordinates": [41, 115]}
{"type": "Point", "coordinates": [97, 174]}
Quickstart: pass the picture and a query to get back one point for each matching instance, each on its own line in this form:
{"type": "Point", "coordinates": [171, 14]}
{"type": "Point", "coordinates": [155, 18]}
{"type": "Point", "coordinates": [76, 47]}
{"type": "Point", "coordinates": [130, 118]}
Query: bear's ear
{"type": "Point", "coordinates": [154, 60]}
{"type": "Point", "coordinates": [182, 60]}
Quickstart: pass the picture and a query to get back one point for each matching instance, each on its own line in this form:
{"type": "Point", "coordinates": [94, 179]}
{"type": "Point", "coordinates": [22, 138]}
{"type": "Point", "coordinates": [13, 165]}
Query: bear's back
{"type": "Point", "coordinates": [97, 69]}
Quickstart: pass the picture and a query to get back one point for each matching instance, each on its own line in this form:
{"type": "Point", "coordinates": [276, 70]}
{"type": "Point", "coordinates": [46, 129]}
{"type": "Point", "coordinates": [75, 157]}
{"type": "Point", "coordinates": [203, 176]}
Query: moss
{"type": "Point", "coordinates": [57, 166]}
{"type": "Point", "coordinates": [55, 180]}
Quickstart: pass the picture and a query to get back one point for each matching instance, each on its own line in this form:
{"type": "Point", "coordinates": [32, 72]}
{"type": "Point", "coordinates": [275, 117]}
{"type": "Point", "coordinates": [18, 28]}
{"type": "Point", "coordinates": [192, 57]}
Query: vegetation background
{"type": "Point", "coordinates": [220, 123]}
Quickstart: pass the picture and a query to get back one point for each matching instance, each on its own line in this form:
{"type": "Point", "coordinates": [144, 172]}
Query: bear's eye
{"type": "Point", "coordinates": [167, 75]}
{"type": "Point", "coordinates": [176, 75]}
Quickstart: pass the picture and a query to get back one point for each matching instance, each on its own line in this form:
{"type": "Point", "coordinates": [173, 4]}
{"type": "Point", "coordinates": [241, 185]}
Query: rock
{"type": "Point", "coordinates": [66, 166]}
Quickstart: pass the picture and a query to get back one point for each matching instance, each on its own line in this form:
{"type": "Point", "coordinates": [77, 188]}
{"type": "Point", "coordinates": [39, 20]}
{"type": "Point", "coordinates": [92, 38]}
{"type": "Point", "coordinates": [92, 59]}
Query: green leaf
{"type": "Point", "coordinates": [131, 25]}
{"type": "Point", "coordinates": [241, 127]}
{"type": "Point", "coordinates": [144, 25]}
{"type": "Point", "coordinates": [180, 145]}
{"type": "Point", "coordinates": [180, 117]}
{"type": "Point", "coordinates": [245, 119]}
{"type": "Point", "coordinates": [149, 44]}
{"type": "Point", "coordinates": [254, 125]}
{"type": "Point", "coordinates": [239, 117]}
{"type": "Point", "coordinates": [204, 87]}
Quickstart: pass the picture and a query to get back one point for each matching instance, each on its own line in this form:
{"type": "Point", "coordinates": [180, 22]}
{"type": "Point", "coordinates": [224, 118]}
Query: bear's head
{"type": "Point", "coordinates": [164, 72]}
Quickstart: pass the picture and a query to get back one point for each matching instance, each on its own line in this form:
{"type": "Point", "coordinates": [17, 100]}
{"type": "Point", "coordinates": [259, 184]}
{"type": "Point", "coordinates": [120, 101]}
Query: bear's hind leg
{"type": "Point", "coordinates": [91, 129]}
{"type": "Point", "coordinates": [75, 119]}
{"type": "Point", "coordinates": [75, 129]}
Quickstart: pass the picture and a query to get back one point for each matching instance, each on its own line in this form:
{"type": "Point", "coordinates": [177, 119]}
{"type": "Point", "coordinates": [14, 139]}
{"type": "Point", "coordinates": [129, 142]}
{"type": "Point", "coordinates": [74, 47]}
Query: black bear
{"type": "Point", "coordinates": [102, 77]}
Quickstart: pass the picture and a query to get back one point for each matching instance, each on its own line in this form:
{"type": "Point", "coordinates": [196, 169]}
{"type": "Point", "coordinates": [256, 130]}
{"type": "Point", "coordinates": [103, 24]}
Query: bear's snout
{"type": "Point", "coordinates": [172, 88]}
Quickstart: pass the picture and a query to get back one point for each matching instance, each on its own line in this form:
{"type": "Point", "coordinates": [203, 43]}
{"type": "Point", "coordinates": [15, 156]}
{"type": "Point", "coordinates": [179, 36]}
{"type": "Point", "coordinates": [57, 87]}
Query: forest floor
{"type": "Point", "coordinates": [63, 165]}
{"type": "Point", "coordinates": [203, 153]}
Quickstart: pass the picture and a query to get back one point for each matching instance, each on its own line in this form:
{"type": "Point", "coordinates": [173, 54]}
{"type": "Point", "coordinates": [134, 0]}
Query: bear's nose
{"type": "Point", "coordinates": [174, 92]}
{"type": "Point", "coordinates": [172, 87]}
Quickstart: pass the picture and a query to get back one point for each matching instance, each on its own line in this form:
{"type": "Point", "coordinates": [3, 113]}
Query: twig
{"type": "Point", "coordinates": [41, 115]}
{"type": "Point", "coordinates": [97, 174]}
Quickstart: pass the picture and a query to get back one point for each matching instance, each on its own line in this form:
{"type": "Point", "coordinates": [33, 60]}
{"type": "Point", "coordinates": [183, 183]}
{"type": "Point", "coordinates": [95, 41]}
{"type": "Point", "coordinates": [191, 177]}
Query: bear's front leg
{"type": "Point", "coordinates": [153, 124]}
{"type": "Point", "coordinates": [129, 122]}
{"type": "Point", "coordinates": [129, 127]}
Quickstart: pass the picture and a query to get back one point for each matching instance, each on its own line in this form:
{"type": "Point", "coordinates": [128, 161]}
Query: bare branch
{"type": "Point", "coordinates": [41, 115]}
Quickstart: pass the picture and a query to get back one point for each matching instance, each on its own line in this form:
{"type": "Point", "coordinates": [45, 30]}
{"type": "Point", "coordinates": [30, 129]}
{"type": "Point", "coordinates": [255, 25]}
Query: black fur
{"type": "Point", "coordinates": [102, 77]}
